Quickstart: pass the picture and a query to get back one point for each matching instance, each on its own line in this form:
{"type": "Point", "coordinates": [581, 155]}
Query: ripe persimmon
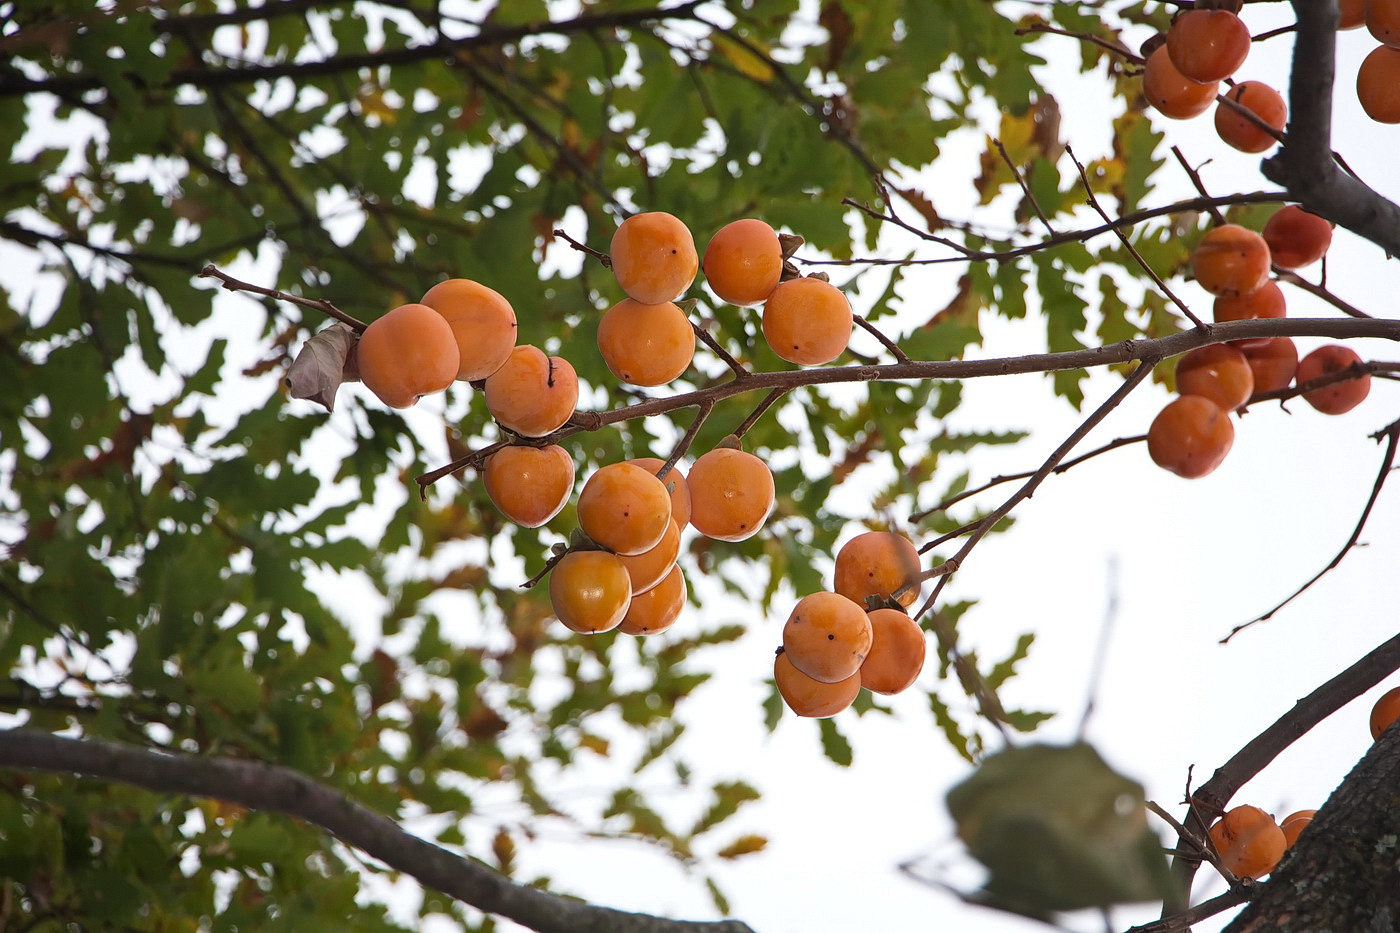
{"type": "Point", "coordinates": [1231, 260]}
{"type": "Point", "coordinates": [1383, 21]}
{"type": "Point", "coordinates": [674, 480]}
{"type": "Point", "coordinates": [532, 394]}
{"type": "Point", "coordinates": [1338, 397]}
{"type": "Point", "coordinates": [483, 323]}
{"type": "Point", "coordinates": [1237, 129]}
{"type": "Point", "coordinates": [1385, 712]}
{"type": "Point", "coordinates": [1274, 362]}
{"type": "Point", "coordinates": [649, 567]}
{"type": "Point", "coordinates": [1173, 94]}
{"type": "Point", "coordinates": [1296, 238]}
{"type": "Point", "coordinates": [812, 698]}
{"type": "Point", "coordinates": [1190, 437]}
{"type": "Point", "coordinates": [877, 563]}
{"type": "Point", "coordinates": [646, 345]}
{"type": "Point", "coordinates": [530, 485]}
{"type": "Point", "coordinates": [896, 656]}
{"type": "Point", "coordinates": [807, 321]}
{"type": "Point", "coordinates": [731, 494]}
{"type": "Point", "coordinates": [827, 636]}
{"type": "Point", "coordinates": [658, 608]}
{"type": "Point", "coordinates": [1378, 84]}
{"type": "Point", "coordinates": [653, 257]}
{"type": "Point", "coordinates": [1266, 301]}
{"type": "Point", "coordinates": [743, 261]}
{"type": "Point", "coordinates": [1353, 14]}
{"type": "Point", "coordinates": [1208, 45]}
{"type": "Point", "coordinates": [1293, 824]}
{"type": "Point", "coordinates": [1248, 841]}
{"type": "Point", "coordinates": [589, 591]}
{"type": "Point", "coordinates": [1217, 372]}
{"type": "Point", "coordinates": [624, 508]}
{"type": "Point", "coordinates": [406, 354]}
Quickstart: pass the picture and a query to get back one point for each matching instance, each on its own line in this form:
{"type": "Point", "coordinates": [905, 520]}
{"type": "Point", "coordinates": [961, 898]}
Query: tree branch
{"type": "Point", "coordinates": [1305, 164]}
{"type": "Point", "coordinates": [273, 788]}
{"type": "Point", "coordinates": [1212, 796]}
{"type": "Point", "coordinates": [489, 36]}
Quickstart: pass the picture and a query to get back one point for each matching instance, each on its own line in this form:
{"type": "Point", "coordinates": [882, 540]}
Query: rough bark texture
{"type": "Point", "coordinates": [1344, 873]}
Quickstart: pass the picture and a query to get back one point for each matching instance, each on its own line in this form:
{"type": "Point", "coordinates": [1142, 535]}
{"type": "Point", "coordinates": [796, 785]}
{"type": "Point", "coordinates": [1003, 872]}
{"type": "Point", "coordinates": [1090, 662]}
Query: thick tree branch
{"type": "Point", "coordinates": [1344, 871]}
{"type": "Point", "coordinates": [1305, 163]}
{"type": "Point", "coordinates": [1127, 351]}
{"type": "Point", "coordinates": [1212, 796]}
{"type": "Point", "coordinates": [272, 788]}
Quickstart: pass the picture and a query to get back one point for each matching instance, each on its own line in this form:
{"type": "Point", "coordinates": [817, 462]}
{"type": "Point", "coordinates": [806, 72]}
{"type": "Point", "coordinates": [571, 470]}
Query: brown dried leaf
{"type": "Point", "coordinates": [325, 361]}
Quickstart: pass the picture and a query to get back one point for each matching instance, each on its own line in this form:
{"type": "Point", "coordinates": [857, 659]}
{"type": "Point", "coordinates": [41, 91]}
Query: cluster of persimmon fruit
{"type": "Point", "coordinates": [1208, 42]}
{"type": "Point", "coordinates": [1250, 842]}
{"type": "Point", "coordinates": [620, 569]}
{"type": "Point", "coordinates": [856, 635]}
{"type": "Point", "coordinates": [1193, 433]}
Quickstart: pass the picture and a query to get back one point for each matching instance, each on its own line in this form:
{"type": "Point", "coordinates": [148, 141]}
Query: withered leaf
{"type": "Point", "coordinates": [325, 361]}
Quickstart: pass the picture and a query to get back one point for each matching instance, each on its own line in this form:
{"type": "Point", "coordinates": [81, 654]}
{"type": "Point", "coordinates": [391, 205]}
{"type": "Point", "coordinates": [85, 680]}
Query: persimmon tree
{"type": "Point", "coordinates": [237, 589]}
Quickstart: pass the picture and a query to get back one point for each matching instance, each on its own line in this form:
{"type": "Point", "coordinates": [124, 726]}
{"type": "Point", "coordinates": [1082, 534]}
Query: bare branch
{"type": "Point", "coordinates": [273, 788]}
{"type": "Point", "coordinates": [1392, 433]}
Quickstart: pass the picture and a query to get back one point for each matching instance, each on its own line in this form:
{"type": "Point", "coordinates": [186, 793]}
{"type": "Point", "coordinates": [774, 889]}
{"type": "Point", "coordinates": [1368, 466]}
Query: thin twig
{"type": "Point", "coordinates": [944, 571]}
{"type": "Point", "coordinates": [1025, 188]}
{"type": "Point", "coordinates": [879, 335]}
{"type": "Point", "coordinates": [325, 307]}
{"type": "Point", "coordinates": [999, 480]}
{"type": "Point", "coordinates": [1392, 434]}
{"type": "Point", "coordinates": [1128, 244]}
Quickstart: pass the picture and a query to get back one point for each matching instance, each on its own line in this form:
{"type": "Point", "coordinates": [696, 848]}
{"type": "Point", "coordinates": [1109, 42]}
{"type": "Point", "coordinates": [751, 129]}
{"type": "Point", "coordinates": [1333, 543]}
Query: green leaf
{"type": "Point", "coordinates": [834, 744]}
{"type": "Point", "coordinates": [1059, 830]}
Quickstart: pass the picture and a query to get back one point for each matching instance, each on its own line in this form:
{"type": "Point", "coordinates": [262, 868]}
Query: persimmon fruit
{"type": "Point", "coordinates": [812, 698]}
{"type": "Point", "coordinates": [1169, 91]}
{"type": "Point", "coordinates": [743, 261]}
{"type": "Point", "coordinates": [1266, 301]}
{"type": "Point", "coordinates": [1383, 21]}
{"type": "Point", "coordinates": [1293, 824]}
{"type": "Point", "coordinates": [896, 655]}
{"type": "Point", "coordinates": [1231, 260]}
{"type": "Point", "coordinates": [877, 563]}
{"type": "Point", "coordinates": [1385, 712]}
{"type": "Point", "coordinates": [646, 345]}
{"type": "Point", "coordinates": [653, 257]}
{"type": "Point", "coordinates": [531, 393]}
{"type": "Point", "coordinates": [1248, 841]}
{"type": "Point", "coordinates": [1243, 133]}
{"type": "Point", "coordinates": [624, 508]}
{"type": "Point", "coordinates": [651, 566]}
{"type": "Point", "coordinates": [1378, 84]}
{"type": "Point", "coordinates": [407, 353]}
{"type": "Point", "coordinates": [1338, 397]}
{"type": "Point", "coordinates": [1190, 437]}
{"type": "Point", "coordinates": [1274, 362]}
{"type": "Point", "coordinates": [674, 480]}
{"type": "Point", "coordinates": [807, 321]}
{"type": "Point", "coordinates": [1208, 45]}
{"type": "Point", "coordinates": [1218, 372]}
{"type": "Point", "coordinates": [658, 608]}
{"type": "Point", "coordinates": [1353, 14]}
{"type": "Point", "coordinates": [1296, 238]}
{"type": "Point", "coordinates": [483, 324]}
{"type": "Point", "coordinates": [589, 591]}
{"type": "Point", "coordinates": [731, 494]}
{"type": "Point", "coordinates": [530, 485]}
{"type": "Point", "coordinates": [827, 636]}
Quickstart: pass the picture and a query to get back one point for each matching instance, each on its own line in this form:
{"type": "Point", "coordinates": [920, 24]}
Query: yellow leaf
{"type": "Point", "coordinates": [748, 64]}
